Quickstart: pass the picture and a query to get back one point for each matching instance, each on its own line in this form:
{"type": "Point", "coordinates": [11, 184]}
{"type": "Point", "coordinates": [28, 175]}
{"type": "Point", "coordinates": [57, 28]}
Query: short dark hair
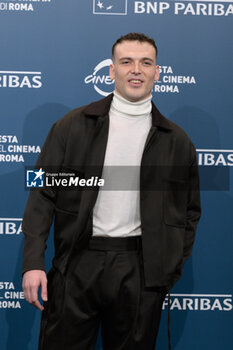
{"type": "Point", "coordinates": [142, 38]}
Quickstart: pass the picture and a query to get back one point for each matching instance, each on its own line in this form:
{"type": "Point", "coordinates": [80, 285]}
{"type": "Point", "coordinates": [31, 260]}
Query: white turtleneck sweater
{"type": "Point", "coordinates": [117, 208]}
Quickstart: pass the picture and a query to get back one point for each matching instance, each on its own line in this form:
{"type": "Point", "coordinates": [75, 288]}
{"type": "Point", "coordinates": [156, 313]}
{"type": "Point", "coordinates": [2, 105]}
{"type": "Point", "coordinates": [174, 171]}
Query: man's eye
{"type": "Point", "coordinates": [146, 63]}
{"type": "Point", "coordinates": [125, 62]}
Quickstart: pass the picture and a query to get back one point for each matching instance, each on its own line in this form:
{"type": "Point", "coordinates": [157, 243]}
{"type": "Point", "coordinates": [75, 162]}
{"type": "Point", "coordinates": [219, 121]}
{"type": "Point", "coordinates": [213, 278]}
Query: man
{"type": "Point", "coordinates": [117, 252]}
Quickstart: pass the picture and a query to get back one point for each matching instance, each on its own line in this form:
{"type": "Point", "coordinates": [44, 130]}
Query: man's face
{"type": "Point", "coordinates": [134, 70]}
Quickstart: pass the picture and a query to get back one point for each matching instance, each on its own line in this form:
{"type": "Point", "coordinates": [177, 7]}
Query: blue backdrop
{"type": "Point", "coordinates": [55, 57]}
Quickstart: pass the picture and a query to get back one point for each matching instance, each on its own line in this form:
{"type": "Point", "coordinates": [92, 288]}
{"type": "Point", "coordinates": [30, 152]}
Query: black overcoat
{"type": "Point", "coordinates": [169, 193]}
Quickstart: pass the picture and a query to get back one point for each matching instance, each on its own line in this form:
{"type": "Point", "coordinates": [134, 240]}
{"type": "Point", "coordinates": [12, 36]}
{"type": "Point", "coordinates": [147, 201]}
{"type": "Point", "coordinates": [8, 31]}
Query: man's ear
{"type": "Point", "coordinates": [112, 71]}
{"type": "Point", "coordinates": [156, 73]}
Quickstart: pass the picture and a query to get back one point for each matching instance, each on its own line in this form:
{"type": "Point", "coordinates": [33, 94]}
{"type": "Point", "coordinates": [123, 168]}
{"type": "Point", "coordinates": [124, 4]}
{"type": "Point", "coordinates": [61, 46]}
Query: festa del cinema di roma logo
{"type": "Point", "coordinates": [22, 5]}
{"type": "Point", "coordinates": [159, 7]}
{"type": "Point", "coordinates": [100, 78]}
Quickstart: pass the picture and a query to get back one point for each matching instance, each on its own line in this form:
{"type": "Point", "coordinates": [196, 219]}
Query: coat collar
{"type": "Point", "coordinates": [101, 108]}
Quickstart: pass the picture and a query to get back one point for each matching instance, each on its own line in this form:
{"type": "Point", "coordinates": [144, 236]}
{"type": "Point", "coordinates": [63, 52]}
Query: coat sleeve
{"type": "Point", "coordinates": [193, 209]}
{"type": "Point", "coordinates": [38, 215]}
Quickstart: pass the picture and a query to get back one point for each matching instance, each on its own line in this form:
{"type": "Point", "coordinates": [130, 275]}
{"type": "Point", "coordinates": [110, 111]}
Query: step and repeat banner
{"type": "Point", "coordinates": [54, 57]}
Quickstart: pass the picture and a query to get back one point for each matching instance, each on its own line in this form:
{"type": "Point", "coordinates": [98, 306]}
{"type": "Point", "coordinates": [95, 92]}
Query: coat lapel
{"type": "Point", "coordinates": [94, 161]}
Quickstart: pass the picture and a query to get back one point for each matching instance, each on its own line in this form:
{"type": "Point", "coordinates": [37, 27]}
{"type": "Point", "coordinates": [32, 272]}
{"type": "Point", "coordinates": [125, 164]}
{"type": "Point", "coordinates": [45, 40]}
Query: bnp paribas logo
{"type": "Point", "coordinates": [110, 7]}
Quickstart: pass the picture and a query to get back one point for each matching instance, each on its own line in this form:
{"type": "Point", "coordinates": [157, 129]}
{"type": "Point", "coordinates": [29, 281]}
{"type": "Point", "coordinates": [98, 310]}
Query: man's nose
{"type": "Point", "coordinates": [136, 68]}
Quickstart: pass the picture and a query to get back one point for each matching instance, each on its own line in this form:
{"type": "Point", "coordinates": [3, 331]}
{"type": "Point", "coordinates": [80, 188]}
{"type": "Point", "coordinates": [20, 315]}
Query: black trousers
{"type": "Point", "coordinates": [104, 286]}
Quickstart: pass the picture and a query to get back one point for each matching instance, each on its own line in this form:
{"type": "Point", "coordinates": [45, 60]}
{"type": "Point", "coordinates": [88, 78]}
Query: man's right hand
{"type": "Point", "coordinates": [32, 280]}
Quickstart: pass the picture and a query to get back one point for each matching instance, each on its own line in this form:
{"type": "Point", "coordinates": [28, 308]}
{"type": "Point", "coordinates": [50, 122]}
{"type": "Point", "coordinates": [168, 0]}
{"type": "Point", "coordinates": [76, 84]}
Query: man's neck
{"type": "Point", "coordinates": [134, 109]}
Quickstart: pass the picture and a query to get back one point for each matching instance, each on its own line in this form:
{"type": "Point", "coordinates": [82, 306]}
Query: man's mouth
{"type": "Point", "coordinates": [135, 82]}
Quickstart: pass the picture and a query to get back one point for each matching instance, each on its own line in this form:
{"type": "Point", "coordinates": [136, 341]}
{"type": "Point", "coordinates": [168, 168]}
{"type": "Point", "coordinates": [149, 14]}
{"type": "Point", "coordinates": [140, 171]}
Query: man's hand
{"type": "Point", "coordinates": [32, 280]}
